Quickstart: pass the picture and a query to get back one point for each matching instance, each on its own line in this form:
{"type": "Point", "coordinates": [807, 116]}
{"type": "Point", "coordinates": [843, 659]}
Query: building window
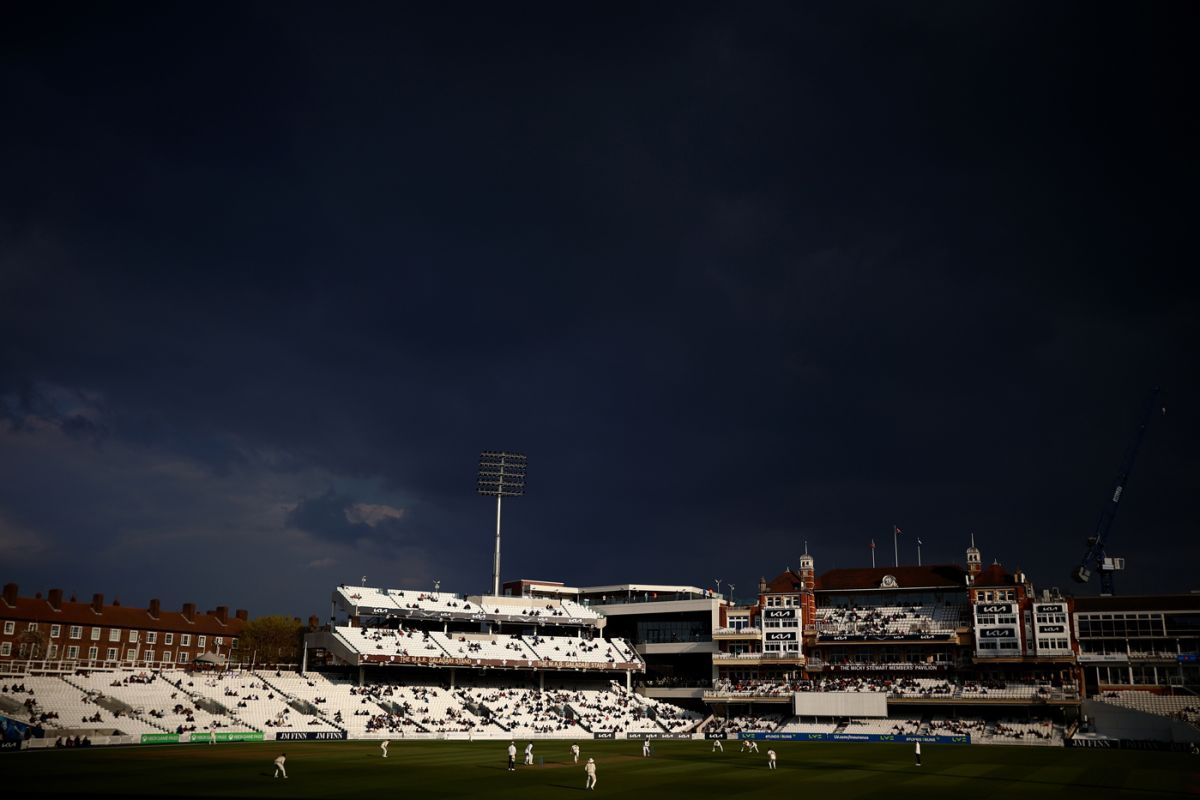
{"type": "Point", "coordinates": [23, 649]}
{"type": "Point", "coordinates": [133, 636]}
{"type": "Point", "coordinates": [166, 656]}
{"type": "Point", "coordinates": [185, 639]}
{"type": "Point", "coordinates": [73, 651]}
{"type": "Point", "coordinates": [200, 642]}
{"type": "Point", "coordinates": [183, 657]}
{"type": "Point", "coordinates": [151, 637]}
{"type": "Point", "coordinates": [55, 631]}
{"type": "Point", "coordinates": [93, 652]}
{"type": "Point", "coordinates": [52, 651]}
{"type": "Point", "coordinates": [218, 640]}
{"type": "Point", "coordinates": [148, 656]}
{"type": "Point", "coordinates": [131, 654]}
{"type": "Point", "coordinates": [96, 634]}
{"type": "Point", "coordinates": [168, 638]}
{"type": "Point", "coordinates": [10, 627]}
{"type": "Point", "coordinates": [76, 632]}
{"type": "Point", "coordinates": [110, 654]}
{"type": "Point", "coordinates": [31, 626]}
{"type": "Point", "coordinates": [114, 635]}
{"type": "Point", "coordinates": [233, 644]}
{"type": "Point", "coordinates": [6, 649]}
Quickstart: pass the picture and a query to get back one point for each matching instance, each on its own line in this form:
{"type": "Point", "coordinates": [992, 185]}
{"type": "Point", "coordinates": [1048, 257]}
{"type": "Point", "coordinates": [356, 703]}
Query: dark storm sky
{"type": "Point", "coordinates": [733, 276]}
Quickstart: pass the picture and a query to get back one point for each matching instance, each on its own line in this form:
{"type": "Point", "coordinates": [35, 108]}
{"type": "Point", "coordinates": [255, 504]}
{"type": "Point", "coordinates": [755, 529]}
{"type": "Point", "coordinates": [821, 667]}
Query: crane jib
{"type": "Point", "coordinates": [1117, 494]}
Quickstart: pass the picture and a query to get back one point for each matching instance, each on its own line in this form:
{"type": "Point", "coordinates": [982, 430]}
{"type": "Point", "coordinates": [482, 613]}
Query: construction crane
{"type": "Point", "coordinates": [1096, 557]}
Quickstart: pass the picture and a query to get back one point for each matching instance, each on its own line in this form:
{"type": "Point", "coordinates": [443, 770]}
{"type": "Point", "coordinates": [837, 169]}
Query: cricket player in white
{"type": "Point", "coordinates": [279, 765]}
{"type": "Point", "coordinates": [770, 759]}
{"type": "Point", "coordinates": [529, 754]}
{"type": "Point", "coordinates": [512, 756]}
{"type": "Point", "coordinates": [212, 732]}
{"type": "Point", "coordinates": [645, 748]}
{"type": "Point", "coordinates": [918, 754]}
{"type": "Point", "coordinates": [590, 769]}
{"type": "Point", "coordinates": [753, 745]}
{"type": "Point", "coordinates": [575, 753]}
{"type": "Point", "coordinates": [718, 746]}
{"type": "Point", "coordinates": [384, 746]}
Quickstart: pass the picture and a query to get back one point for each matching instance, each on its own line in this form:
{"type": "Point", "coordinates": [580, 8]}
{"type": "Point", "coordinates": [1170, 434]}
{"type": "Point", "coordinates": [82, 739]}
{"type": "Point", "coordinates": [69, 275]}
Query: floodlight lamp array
{"type": "Point", "coordinates": [501, 474]}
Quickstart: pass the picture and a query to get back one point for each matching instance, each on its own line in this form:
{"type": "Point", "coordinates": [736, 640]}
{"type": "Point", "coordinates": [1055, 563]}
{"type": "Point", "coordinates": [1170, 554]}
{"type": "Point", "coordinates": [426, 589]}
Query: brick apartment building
{"type": "Point", "coordinates": [50, 628]}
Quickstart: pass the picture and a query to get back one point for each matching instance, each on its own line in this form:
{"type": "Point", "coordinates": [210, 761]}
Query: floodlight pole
{"type": "Point", "coordinates": [496, 560]}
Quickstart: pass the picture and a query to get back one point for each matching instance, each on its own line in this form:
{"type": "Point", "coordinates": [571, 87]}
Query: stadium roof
{"type": "Point", "coordinates": [939, 576]}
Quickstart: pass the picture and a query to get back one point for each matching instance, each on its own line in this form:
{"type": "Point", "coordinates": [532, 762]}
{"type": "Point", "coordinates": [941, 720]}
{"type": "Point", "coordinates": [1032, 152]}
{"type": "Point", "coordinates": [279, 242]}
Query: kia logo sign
{"type": "Point", "coordinates": [1051, 629]}
{"type": "Point", "coordinates": [999, 633]}
{"type": "Point", "coordinates": [781, 613]}
{"type": "Point", "coordinates": [1050, 609]}
{"type": "Point", "coordinates": [999, 608]}
{"type": "Point", "coordinates": [781, 637]}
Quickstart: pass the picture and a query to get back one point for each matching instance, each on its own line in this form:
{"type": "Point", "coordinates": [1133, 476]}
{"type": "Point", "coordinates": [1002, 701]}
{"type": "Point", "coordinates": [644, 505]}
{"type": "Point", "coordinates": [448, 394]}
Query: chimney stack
{"type": "Point", "coordinates": [155, 607]}
{"type": "Point", "coordinates": [222, 613]}
{"type": "Point", "coordinates": [10, 594]}
{"type": "Point", "coordinates": [313, 622]}
{"type": "Point", "coordinates": [189, 611]}
{"type": "Point", "coordinates": [55, 599]}
{"type": "Point", "coordinates": [241, 614]}
{"type": "Point", "coordinates": [98, 603]}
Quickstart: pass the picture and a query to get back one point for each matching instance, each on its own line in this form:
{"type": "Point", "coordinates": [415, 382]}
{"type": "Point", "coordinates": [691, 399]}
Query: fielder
{"type": "Point", "coordinates": [590, 769]}
{"type": "Point", "coordinates": [529, 754]}
{"type": "Point", "coordinates": [718, 746]}
{"type": "Point", "coordinates": [770, 759]}
{"type": "Point", "coordinates": [646, 748]}
{"type": "Point", "coordinates": [917, 752]}
{"type": "Point", "coordinates": [512, 756]}
{"type": "Point", "coordinates": [212, 732]}
{"type": "Point", "coordinates": [279, 765]}
{"type": "Point", "coordinates": [753, 748]}
{"type": "Point", "coordinates": [384, 746]}
{"type": "Point", "coordinates": [575, 753]}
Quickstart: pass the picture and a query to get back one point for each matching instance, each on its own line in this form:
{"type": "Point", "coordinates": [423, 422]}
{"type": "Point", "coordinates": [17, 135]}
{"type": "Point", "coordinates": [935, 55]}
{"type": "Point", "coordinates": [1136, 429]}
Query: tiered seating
{"type": "Point", "coordinates": [153, 700]}
{"type": "Point", "coordinates": [482, 645]}
{"type": "Point", "coordinates": [957, 727]}
{"type": "Point", "coordinates": [54, 704]}
{"type": "Point", "coordinates": [1022, 732]}
{"type": "Point", "coordinates": [673, 718]}
{"type": "Point", "coordinates": [757, 687]}
{"type": "Point", "coordinates": [573, 609]}
{"type": "Point", "coordinates": [525, 711]}
{"type": "Point", "coordinates": [922, 687]}
{"type": "Point", "coordinates": [388, 642]}
{"type": "Point", "coordinates": [883, 725]}
{"type": "Point", "coordinates": [739, 724]}
{"type": "Point", "coordinates": [249, 699]}
{"type": "Point", "coordinates": [570, 648]}
{"type": "Point", "coordinates": [1184, 708]}
{"type": "Point", "coordinates": [415, 600]}
{"type": "Point", "coordinates": [890, 620]}
{"type": "Point", "coordinates": [999, 690]}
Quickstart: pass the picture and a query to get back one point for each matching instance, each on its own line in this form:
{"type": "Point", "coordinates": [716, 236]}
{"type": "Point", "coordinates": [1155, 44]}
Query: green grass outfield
{"type": "Point", "coordinates": [431, 769]}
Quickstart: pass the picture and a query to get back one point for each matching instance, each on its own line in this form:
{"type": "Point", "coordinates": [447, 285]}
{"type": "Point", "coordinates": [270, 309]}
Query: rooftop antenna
{"type": "Point", "coordinates": [501, 474]}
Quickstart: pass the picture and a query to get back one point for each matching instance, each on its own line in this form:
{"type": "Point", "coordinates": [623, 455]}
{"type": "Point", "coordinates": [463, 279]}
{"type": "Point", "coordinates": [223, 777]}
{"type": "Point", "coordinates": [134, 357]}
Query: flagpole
{"type": "Point", "coordinates": [918, 552]}
{"type": "Point", "coordinates": [896, 543]}
{"type": "Point", "coordinates": [872, 554]}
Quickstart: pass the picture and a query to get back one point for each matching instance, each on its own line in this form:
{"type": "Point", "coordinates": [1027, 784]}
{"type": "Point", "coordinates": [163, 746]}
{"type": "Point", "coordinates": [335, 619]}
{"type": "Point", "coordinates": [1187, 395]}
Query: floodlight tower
{"type": "Point", "coordinates": [501, 475]}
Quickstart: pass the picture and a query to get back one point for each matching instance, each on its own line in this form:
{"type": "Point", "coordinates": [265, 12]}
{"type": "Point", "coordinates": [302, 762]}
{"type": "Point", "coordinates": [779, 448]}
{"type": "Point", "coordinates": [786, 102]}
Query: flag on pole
{"type": "Point", "coordinates": [872, 544]}
{"type": "Point", "coordinates": [919, 542]}
{"type": "Point", "coordinates": [896, 530]}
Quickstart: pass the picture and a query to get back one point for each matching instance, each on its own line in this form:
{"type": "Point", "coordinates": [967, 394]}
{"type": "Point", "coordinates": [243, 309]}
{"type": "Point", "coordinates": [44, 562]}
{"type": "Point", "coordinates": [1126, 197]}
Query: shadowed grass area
{"type": "Point", "coordinates": [676, 770]}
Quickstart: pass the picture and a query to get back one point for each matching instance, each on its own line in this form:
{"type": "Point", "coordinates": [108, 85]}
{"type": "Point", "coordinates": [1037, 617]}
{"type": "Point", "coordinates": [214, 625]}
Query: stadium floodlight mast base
{"type": "Point", "coordinates": [501, 474]}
